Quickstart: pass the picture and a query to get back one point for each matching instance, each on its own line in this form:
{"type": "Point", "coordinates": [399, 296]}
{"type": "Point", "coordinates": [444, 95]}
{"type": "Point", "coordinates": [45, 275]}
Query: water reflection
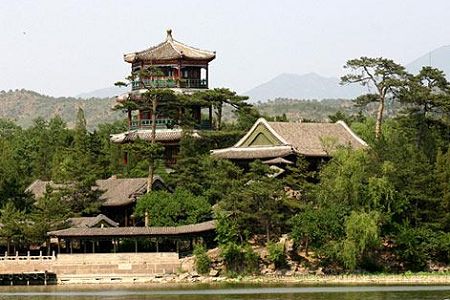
{"type": "Point", "coordinates": [228, 292]}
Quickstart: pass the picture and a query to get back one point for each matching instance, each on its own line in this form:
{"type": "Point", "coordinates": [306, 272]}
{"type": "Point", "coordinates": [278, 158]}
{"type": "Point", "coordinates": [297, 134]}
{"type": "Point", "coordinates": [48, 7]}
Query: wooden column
{"type": "Point", "coordinates": [210, 116]}
{"type": "Point", "coordinates": [207, 77]}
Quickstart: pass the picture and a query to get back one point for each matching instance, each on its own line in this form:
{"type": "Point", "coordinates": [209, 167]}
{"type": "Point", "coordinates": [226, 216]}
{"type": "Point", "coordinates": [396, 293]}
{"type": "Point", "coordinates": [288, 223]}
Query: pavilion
{"type": "Point", "coordinates": [281, 143]}
{"type": "Point", "coordinates": [111, 238]}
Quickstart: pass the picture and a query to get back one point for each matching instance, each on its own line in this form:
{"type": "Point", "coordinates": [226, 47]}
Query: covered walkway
{"type": "Point", "coordinates": [132, 239]}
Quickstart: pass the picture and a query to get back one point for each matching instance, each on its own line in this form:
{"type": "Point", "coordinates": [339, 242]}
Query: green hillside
{"type": "Point", "coordinates": [23, 106]}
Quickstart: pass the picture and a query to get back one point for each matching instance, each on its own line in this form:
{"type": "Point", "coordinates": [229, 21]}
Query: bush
{"type": "Point", "coordinates": [277, 255]}
{"type": "Point", "coordinates": [239, 259]}
{"type": "Point", "coordinates": [251, 260]}
{"type": "Point", "coordinates": [202, 260]}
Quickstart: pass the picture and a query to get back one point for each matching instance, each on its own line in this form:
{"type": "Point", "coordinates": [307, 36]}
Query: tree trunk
{"type": "Point", "coordinates": [306, 246]}
{"type": "Point", "coordinates": [219, 116]}
{"type": "Point", "coordinates": [129, 118]}
{"type": "Point", "coordinates": [151, 166]}
{"type": "Point", "coordinates": [379, 118]}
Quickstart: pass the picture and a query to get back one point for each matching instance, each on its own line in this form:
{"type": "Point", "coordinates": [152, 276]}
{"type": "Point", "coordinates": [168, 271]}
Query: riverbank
{"type": "Point", "coordinates": [194, 278]}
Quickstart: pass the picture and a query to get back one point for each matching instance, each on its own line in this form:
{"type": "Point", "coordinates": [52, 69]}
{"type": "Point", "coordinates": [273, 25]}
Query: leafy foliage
{"type": "Point", "coordinates": [171, 209]}
{"type": "Point", "coordinates": [202, 260]}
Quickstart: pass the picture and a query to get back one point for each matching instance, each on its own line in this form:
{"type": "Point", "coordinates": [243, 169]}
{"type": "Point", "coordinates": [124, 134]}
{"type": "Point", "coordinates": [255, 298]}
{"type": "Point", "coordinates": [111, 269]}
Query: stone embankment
{"type": "Point", "coordinates": [194, 278]}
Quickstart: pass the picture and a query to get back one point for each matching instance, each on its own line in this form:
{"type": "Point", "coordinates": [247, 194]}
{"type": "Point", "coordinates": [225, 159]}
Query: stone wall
{"type": "Point", "coordinates": [99, 264]}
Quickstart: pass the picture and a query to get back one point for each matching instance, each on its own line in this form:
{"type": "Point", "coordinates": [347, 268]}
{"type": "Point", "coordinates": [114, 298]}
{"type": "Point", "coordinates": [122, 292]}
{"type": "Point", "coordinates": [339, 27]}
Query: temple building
{"type": "Point", "coordinates": [183, 69]}
{"type": "Point", "coordinates": [280, 143]}
{"type": "Point", "coordinates": [118, 195]}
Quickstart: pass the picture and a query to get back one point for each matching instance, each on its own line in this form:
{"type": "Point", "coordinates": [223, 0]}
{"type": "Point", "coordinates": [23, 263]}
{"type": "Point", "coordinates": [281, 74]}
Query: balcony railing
{"type": "Point", "coordinates": [154, 83]}
{"type": "Point", "coordinates": [170, 83]}
{"type": "Point", "coordinates": [165, 123]}
{"type": "Point", "coordinates": [147, 123]}
{"type": "Point", "coordinates": [194, 83]}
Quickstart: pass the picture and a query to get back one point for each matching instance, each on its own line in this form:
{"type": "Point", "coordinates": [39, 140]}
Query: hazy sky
{"type": "Point", "coordinates": [63, 48]}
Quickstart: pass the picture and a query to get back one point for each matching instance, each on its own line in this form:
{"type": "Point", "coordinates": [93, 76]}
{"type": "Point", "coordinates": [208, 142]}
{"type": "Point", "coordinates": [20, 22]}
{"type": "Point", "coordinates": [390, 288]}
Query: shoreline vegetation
{"type": "Point", "coordinates": [385, 208]}
{"type": "Point", "coordinates": [422, 278]}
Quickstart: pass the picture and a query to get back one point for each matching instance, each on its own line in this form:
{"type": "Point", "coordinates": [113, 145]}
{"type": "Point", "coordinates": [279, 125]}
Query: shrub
{"type": "Point", "coordinates": [239, 259]}
{"type": "Point", "coordinates": [276, 254]}
{"type": "Point", "coordinates": [202, 260]}
{"type": "Point", "coordinates": [251, 260]}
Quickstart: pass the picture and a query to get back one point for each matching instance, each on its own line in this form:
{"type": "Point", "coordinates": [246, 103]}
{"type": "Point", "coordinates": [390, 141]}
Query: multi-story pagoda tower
{"type": "Point", "coordinates": [181, 68]}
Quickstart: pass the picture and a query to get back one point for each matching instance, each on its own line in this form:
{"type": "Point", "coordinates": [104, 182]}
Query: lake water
{"type": "Point", "coordinates": [204, 292]}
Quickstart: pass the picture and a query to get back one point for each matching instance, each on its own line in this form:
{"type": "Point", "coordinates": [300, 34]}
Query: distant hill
{"type": "Point", "coordinates": [307, 86]}
{"type": "Point", "coordinates": [314, 86]}
{"type": "Point", "coordinates": [108, 92]}
{"type": "Point", "coordinates": [313, 110]}
{"type": "Point", "coordinates": [438, 58]}
{"type": "Point", "coordinates": [23, 106]}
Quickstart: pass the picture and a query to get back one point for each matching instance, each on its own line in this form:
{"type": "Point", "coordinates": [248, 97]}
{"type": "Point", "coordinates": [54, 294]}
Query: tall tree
{"type": "Point", "coordinates": [384, 75]}
{"type": "Point", "coordinates": [218, 97]}
{"type": "Point", "coordinates": [155, 100]}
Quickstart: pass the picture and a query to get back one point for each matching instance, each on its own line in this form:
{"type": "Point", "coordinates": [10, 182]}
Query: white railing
{"type": "Point", "coordinates": [27, 257]}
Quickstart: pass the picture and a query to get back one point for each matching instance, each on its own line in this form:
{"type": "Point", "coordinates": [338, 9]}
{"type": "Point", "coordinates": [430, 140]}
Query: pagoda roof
{"type": "Point", "coordinates": [170, 50]}
{"type": "Point", "coordinates": [275, 140]}
{"type": "Point", "coordinates": [161, 135]}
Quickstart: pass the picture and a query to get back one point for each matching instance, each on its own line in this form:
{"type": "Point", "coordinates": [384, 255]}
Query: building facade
{"type": "Point", "coordinates": [169, 65]}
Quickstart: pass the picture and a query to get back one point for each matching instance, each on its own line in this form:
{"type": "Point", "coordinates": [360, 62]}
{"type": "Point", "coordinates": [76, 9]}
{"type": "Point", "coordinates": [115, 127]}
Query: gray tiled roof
{"type": "Point", "coordinates": [134, 231]}
{"type": "Point", "coordinates": [170, 49]}
{"type": "Point", "coordinates": [88, 222]}
{"type": "Point", "coordinates": [308, 139]}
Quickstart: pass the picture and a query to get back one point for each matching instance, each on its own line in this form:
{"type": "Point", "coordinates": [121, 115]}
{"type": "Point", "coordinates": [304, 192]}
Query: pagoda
{"type": "Point", "coordinates": [181, 68]}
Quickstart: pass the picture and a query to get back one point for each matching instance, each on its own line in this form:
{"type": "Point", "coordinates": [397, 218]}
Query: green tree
{"type": "Point", "coordinates": [167, 209]}
{"type": "Point", "coordinates": [49, 213]}
{"type": "Point", "coordinates": [157, 101]}
{"type": "Point", "coordinates": [14, 226]}
{"type": "Point", "coordinates": [362, 235]}
{"type": "Point", "coordinates": [218, 97]}
{"type": "Point", "coordinates": [384, 75]}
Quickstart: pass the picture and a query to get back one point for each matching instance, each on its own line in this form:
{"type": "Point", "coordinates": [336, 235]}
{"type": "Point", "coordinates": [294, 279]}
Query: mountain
{"type": "Point", "coordinates": [23, 106]}
{"type": "Point", "coordinates": [313, 86]}
{"type": "Point", "coordinates": [108, 92]}
{"type": "Point", "coordinates": [307, 86]}
{"type": "Point", "coordinates": [438, 58]}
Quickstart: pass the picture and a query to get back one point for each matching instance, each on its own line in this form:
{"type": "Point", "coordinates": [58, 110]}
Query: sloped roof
{"type": "Point", "coordinates": [89, 222]}
{"type": "Point", "coordinates": [161, 135]}
{"type": "Point", "coordinates": [278, 160]}
{"type": "Point", "coordinates": [170, 49]}
{"type": "Point", "coordinates": [134, 231]}
{"type": "Point", "coordinates": [38, 187]}
{"type": "Point", "coordinates": [116, 191]}
{"type": "Point", "coordinates": [123, 191]}
{"type": "Point", "coordinates": [308, 139]}
{"type": "Point", "coordinates": [311, 139]}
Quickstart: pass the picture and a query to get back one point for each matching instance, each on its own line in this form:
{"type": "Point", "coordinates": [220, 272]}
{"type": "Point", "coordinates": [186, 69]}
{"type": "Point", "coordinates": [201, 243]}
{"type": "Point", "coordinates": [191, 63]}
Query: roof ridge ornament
{"type": "Point", "coordinates": [169, 35]}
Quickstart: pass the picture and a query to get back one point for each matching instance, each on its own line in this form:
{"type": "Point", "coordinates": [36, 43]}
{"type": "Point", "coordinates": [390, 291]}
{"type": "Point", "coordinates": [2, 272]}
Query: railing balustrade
{"type": "Point", "coordinates": [170, 83]}
{"type": "Point", "coordinates": [145, 123]}
{"type": "Point", "coordinates": [27, 257]}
